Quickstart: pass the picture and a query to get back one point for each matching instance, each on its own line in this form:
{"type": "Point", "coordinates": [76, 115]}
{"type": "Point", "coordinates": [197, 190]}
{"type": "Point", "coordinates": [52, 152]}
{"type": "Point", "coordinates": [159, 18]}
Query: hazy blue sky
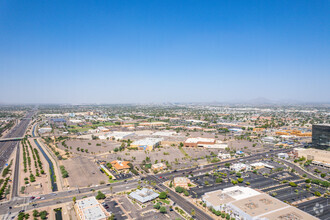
{"type": "Point", "coordinates": [166, 50]}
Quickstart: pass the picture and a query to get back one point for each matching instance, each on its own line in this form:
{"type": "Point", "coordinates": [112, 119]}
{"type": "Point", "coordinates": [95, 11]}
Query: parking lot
{"type": "Point", "coordinates": [319, 207]}
{"type": "Point", "coordinates": [121, 176]}
{"type": "Point", "coordinates": [135, 211]}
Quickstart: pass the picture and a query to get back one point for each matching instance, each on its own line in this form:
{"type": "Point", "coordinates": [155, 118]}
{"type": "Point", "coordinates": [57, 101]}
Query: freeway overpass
{"type": "Point", "coordinates": [11, 139]}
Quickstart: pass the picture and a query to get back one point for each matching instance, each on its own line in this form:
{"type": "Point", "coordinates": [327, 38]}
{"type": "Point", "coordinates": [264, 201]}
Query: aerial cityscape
{"type": "Point", "coordinates": [170, 110]}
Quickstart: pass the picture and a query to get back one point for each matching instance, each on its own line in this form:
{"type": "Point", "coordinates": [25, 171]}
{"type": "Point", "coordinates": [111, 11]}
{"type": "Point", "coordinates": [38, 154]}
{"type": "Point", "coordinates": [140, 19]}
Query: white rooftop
{"type": "Point", "coordinates": [144, 195]}
{"type": "Point", "coordinates": [147, 141]}
{"type": "Point", "coordinates": [199, 139]}
{"type": "Point", "coordinates": [91, 209]}
{"type": "Point", "coordinates": [239, 192]}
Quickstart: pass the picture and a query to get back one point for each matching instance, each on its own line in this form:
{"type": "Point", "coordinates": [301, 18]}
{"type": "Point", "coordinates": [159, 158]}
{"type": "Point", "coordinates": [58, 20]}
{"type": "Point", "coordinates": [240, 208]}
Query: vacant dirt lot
{"type": "Point", "coordinates": [96, 146]}
{"type": "Point", "coordinates": [83, 172]}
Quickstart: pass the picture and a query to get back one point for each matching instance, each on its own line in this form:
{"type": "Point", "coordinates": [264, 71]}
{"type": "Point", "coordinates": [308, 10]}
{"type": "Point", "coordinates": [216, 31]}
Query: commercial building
{"type": "Point", "coordinates": [261, 165]}
{"type": "Point", "coordinates": [199, 142]}
{"type": "Point", "coordinates": [90, 209]}
{"type": "Point", "coordinates": [146, 144]}
{"type": "Point", "coordinates": [119, 135]}
{"type": "Point", "coordinates": [321, 136]}
{"type": "Point", "coordinates": [318, 157]}
{"type": "Point", "coordinates": [283, 155]}
{"type": "Point", "coordinates": [240, 167]}
{"type": "Point", "coordinates": [249, 204]}
{"type": "Point", "coordinates": [143, 195]}
{"type": "Point", "coordinates": [120, 165]}
{"type": "Point", "coordinates": [158, 166]}
{"type": "Point", "coordinates": [44, 130]}
{"type": "Point", "coordinates": [181, 181]}
{"type": "Point", "coordinates": [224, 156]}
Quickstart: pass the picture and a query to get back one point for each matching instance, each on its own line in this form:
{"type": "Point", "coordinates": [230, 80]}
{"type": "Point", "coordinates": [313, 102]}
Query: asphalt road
{"type": "Point", "coordinates": [24, 203]}
{"type": "Point", "coordinates": [210, 167]}
{"type": "Point", "coordinates": [184, 204]}
{"type": "Point", "coordinates": [300, 170]}
{"type": "Point", "coordinates": [6, 148]}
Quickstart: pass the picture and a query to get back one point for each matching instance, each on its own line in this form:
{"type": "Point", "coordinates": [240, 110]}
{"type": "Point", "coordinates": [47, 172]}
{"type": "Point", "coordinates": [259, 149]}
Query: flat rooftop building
{"type": "Point", "coordinates": [146, 143]}
{"type": "Point", "coordinates": [90, 209]}
{"type": "Point", "coordinates": [199, 142]}
{"type": "Point", "coordinates": [249, 204]}
{"type": "Point", "coordinates": [319, 157]}
{"type": "Point", "coordinates": [144, 195]}
{"type": "Point", "coordinates": [181, 181]}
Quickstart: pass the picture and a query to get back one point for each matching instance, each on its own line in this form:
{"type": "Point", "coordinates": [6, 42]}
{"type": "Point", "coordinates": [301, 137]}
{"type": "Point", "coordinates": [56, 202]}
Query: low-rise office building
{"type": "Point", "coordinates": [120, 165]}
{"type": "Point", "coordinates": [90, 209]}
{"type": "Point", "coordinates": [158, 166]}
{"type": "Point", "coordinates": [283, 155]}
{"type": "Point", "coordinates": [261, 165]}
{"type": "Point", "coordinates": [143, 195]}
{"type": "Point", "coordinates": [44, 130]}
{"type": "Point", "coordinates": [318, 157]}
{"type": "Point", "coordinates": [245, 203]}
{"type": "Point", "coordinates": [240, 167]}
{"type": "Point", "coordinates": [181, 181]}
{"type": "Point", "coordinates": [224, 156]}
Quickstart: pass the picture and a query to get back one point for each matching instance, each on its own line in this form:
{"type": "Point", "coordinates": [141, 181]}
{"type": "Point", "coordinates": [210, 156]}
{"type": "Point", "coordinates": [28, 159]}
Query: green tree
{"type": "Point", "coordinates": [74, 199]}
{"type": "Point", "coordinates": [179, 189]}
{"type": "Point", "coordinates": [240, 180]}
{"type": "Point", "coordinates": [157, 205]}
{"type": "Point", "coordinates": [35, 213]}
{"type": "Point", "coordinates": [218, 180]}
{"type": "Point", "coordinates": [100, 195]}
{"type": "Point", "coordinates": [163, 195]}
{"type": "Point", "coordinates": [162, 209]}
{"type": "Point", "coordinates": [293, 184]}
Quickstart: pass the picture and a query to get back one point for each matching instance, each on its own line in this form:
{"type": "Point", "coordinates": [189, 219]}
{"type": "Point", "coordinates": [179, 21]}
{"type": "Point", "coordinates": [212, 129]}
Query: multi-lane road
{"type": "Point", "coordinates": [7, 147]}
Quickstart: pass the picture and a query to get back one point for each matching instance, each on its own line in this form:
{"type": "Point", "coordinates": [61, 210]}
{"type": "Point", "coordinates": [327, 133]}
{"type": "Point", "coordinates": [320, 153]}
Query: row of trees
{"type": "Point", "coordinates": [64, 172]}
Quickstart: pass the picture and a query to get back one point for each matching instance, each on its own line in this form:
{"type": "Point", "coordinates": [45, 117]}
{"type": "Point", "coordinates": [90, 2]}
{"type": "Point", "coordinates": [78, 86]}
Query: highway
{"type": "Point", "coordinates": [6, 148]}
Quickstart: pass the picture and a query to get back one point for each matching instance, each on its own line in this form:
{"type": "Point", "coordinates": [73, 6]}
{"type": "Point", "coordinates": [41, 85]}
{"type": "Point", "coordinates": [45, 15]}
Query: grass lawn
{"type": "Point", "coordinates": [164, 201]}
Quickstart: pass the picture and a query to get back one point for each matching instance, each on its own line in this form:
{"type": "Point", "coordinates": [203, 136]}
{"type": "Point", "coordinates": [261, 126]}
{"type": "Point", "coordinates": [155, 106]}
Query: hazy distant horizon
{"type": "Point", "coordinates": [164, 51]}
{"type": "Point", "coordinates": [252, 102]}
